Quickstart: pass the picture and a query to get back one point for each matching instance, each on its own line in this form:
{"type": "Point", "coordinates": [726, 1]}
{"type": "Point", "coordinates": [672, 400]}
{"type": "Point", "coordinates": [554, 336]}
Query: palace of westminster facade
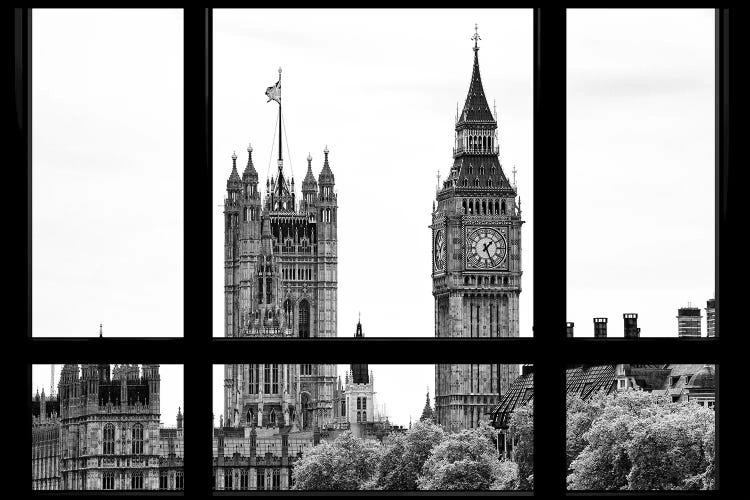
{"type": "Point", "coordinates": [280, 255]}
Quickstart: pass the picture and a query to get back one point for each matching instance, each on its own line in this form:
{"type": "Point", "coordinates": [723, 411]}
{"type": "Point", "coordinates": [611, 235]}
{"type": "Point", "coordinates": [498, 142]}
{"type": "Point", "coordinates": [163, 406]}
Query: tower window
{"type": "Point", "coordinates": [136, 480]}
{"type": "Point", "coordinates": [275, 387]}
{"type": "Point", "coordinates": [502, 207]}
{"type": "Point", "coordinates": [108, 481]}
{"type": "Point", "coordinates": [476, 182]}
{"type": "Point", "coordinates": [109, 439]}
{"type": "Point", "coordinates": [137, 444]}
{"type": "Point", "coordinates": [267, 379]}
{"type": "Point", "coordinates": [466, 182]}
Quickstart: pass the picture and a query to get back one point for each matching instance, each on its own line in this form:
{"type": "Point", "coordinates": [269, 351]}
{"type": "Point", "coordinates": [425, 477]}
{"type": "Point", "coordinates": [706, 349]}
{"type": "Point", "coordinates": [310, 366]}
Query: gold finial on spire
{"type": "Point", "coordinates": [476, 37]}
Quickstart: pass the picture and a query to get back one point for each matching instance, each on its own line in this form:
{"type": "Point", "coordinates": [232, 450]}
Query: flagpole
{"type": "Point", "coordinates": [280, 160]}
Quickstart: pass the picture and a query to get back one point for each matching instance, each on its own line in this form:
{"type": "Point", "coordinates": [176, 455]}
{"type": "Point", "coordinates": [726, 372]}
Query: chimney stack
{"type": "Point", "coordinates": [600, 328]}
{"type": "Point", "coordinates": [631, 326]}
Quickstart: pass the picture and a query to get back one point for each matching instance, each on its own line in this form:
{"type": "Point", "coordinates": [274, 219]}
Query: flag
{"type": "Point", "coordinates": [274, 92]}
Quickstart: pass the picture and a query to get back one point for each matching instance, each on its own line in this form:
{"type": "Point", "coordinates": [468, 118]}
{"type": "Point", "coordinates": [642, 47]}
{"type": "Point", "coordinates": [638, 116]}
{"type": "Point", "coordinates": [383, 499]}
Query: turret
{"type": "Point", "coordinates": [151, 376]}
{"type": "Point", "coordinates": [179, 418]}
{"type": "Point", "coordinates": [309, 188]}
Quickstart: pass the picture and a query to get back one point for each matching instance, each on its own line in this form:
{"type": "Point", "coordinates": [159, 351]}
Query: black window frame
{"type": "Point", "coordinates": [549, 350]}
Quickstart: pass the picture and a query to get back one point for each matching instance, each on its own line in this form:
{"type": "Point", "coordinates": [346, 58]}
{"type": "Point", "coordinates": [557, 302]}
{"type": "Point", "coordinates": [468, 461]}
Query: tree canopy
{"type": "Point", "coordinates": [637, 440]}
{"type": "Point", "coordinates": [467, 460]}
{"type": "Point", "coordinates": [347, 463]}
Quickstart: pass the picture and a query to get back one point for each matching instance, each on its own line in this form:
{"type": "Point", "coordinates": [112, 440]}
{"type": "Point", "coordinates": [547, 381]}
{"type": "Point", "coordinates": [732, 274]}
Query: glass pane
{"type": "Point", "coordinates": [107, 173]}
{"type": "Point", "coordinates": [641, 176]}
{"type": "Point", "coordinates": [641, 427]}
{"type": "Point", "coordinates": [377, 128]}
{"type": "Point", "coordinates": [339, 431]}
{"type": "Point", "coordinates": [109, 415]}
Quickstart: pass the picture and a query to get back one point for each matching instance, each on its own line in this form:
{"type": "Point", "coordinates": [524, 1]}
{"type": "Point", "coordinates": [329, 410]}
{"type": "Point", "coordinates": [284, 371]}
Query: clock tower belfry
{"type": "Point", "coordinates": [476, 261]}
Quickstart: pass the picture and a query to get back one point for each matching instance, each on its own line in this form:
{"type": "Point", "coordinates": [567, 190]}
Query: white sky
{"type": "Point", "coordinates": [171, 388]}
{"type": "Point", "coordinates": [107, 198]}
{"type": "Point", "coordinates": [379, 87]}
{"type": "Point", "coordinates": [640, 166]}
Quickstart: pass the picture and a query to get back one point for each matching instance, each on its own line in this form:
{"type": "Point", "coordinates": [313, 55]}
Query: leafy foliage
{"type": "Point", "coordinates": [637, 440]}
{"type": "Point", "coordinates": [404, 456]}
{"type": "Point", "coordinates": [348, 463]}
{"type": "Point", "coordinates": [521, 427]}
{"type": "Point", "coordinates": [467, 460]}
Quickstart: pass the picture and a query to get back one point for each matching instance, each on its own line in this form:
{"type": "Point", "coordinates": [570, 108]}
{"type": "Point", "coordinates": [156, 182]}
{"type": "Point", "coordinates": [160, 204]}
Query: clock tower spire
{"type": "Point", "coordinates": [476, 271]}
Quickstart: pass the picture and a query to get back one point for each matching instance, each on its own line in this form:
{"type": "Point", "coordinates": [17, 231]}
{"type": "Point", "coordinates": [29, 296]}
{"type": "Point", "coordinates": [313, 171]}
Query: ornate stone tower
{"type": "Point", "coordinates": [280, 260]}
{"type": "Point", "coordinates": [476, 261]}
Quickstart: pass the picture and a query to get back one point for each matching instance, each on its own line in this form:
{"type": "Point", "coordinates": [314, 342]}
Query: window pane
{"type": "Point", "coordinates": [641, 177]}
{"type": "Point", "coordinates": [338, 415]}
{"type": "Point", "coordinates": [111, 414]}
{"type": "Point", "coordinates": [378, 97]}
{"type": "Point", "coordinates": [107, 172]}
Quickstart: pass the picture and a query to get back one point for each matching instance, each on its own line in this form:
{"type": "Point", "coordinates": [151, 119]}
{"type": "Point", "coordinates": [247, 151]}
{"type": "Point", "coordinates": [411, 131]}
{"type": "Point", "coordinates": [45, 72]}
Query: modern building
{"type": "Point", "coordinates": [681, 382]}
{"type": "Point", "coordinates": [711, 317]}
{"type": "Point", "coordinates": [280, 269]}
{"type": "Point", "coordinates": [103, 432]}
{"type": "Point", "coordinates": [689, 322]}
{"type": "Point", "coordinates": [476, 261]}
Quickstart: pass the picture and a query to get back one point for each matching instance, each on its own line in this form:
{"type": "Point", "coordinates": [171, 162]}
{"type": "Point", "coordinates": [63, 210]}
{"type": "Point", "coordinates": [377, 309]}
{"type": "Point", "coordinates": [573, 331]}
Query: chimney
{"type": "Point", "coordinates": [631, 326]}
{"type": "Point", "coordinates": [569, 329]}
{"type": "Point", "coordinates": [600, 328]}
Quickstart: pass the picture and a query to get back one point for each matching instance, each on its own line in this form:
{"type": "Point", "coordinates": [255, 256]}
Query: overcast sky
{"type": "Point", "coordinates": [380, 88]}
{"type": "Point", "coordinates": [640, 166]}
{"type": "Point", "coordinates": [107, 178]}
{"type": "Point", "coordinates": [171, 386]}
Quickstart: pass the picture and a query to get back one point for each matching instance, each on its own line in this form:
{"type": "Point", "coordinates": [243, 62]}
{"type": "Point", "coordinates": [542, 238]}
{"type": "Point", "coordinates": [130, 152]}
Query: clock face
{"type": "Point", "coordinates": [486, 248]}
{"type": "Point", "coordinates": [439, 250]}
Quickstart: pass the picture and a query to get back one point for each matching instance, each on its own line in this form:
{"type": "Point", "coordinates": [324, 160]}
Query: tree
{"type": "Point", "coordinates": [643, 441]}
{"type": "Point", "coordinates": [580, 415]}
{"type": "Point", "coordinates": [348, 463]}
{"type": "Point", "coordinates": [405, 454]}
{"type": "Point", "coordinates": [467, 461]}
{"type": "Point", "coordinates": [521, 427]}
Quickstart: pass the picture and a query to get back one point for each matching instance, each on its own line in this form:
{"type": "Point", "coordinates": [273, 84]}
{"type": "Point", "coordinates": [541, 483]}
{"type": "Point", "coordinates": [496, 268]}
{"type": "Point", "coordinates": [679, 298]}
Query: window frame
{"type": "Point", "coordinates": [549, 350]}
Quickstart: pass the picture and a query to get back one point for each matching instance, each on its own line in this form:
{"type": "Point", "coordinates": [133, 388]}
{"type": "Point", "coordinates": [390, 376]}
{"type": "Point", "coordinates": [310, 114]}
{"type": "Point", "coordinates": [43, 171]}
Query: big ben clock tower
{"type": "Point", "coordinates": [476, 261]}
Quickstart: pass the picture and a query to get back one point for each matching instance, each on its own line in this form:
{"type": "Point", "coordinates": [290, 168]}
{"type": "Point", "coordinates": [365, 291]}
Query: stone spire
{"type": "Point", "coordinates": [234, 177]}
{"type": "Point", "coordinates": [476, 109]}
{"type": "Point", "coordinates": [427, 412]}
{"type": "Point", "coordinates": [250, 174]}
{"type": "Point", "coordinates": [326, 175]}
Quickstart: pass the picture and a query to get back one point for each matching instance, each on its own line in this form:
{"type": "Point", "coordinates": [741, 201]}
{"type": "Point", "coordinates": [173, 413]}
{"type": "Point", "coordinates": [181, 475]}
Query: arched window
{"type": "Point", "coordinates": [484, 207]}
{"type": "Point", "coordinates": [364, 403]}
{"type": "Point", "coordinates": [304, 319]}
{"type": "Point", "coordinates": [502, 207]}
{"type": "Point", "coordinates": [466, 182]}
{"type": "Point", "coordinates": [497, 207]}
{"type": "Point", "coordinates": [359, 416]}
{"type": "Point", "coordinates": [476, 182]}
{"type": "Point", "coordinates": [359, 403]}
{"type": "Point", "coordinates": [108, 480]}
{"type": "Point", "coordinates": [275, 386]}
{"type": "Point", "coordinates": [109, 439]}
{"type": "Point", "coordinates": [137, 439]}
{"type": "Point", "coordinates": [343, 408]}
{"type": "Point", "coordinates": [489, 182]}
{"type": "Point", "coordinates": [464, 206]}
{"type": "Point", "coordinates": [136, 480]}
